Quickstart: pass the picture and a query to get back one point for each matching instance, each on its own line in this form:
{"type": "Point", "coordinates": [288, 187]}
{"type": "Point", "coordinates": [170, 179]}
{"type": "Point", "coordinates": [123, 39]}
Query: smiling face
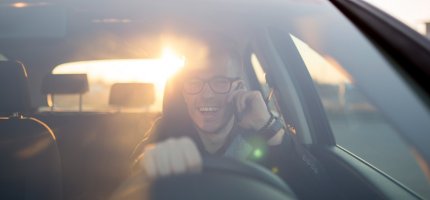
{"type": "Point", "coordinates": [211, 111]}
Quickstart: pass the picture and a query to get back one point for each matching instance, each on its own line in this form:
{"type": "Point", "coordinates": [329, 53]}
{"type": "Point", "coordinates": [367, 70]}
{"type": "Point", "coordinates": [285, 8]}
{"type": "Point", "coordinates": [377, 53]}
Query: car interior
{"type": "Point", "coordinates": [29, 152]}
{"type": "Point", "coordinates": [71, 134]}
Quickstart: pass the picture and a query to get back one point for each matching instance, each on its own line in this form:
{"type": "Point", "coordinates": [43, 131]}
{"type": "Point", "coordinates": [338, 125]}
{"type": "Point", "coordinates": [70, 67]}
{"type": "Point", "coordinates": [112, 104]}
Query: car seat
{"type": "Point", "coordinates": [30, 161]}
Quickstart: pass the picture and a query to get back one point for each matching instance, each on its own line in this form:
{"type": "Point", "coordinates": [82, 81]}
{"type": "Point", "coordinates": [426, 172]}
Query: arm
{"type": "Point", "coordinates": [160, 155]}
{"type": "Point", "coordinates": [254, 115]}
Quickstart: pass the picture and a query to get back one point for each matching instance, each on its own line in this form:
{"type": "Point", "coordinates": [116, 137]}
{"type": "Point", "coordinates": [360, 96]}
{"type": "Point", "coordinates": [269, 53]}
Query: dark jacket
{"type": "Point", "coordinates": [257, 149]}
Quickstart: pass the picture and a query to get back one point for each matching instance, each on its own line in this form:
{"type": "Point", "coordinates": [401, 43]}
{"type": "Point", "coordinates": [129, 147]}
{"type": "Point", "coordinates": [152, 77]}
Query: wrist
{"type": "Point", "coordinates": [271, 129]}
{"type": "Point", "coordinates": [268, 120]}
{"type": "Point", "coordinates": [277, 138]}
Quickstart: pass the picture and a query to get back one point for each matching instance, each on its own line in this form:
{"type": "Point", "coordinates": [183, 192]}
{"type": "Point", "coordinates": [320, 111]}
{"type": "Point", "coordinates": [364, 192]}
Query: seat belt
{"type": "Point", "coordinates": [303, 153]}
{"type": "Point", "coordinates": [306, 156]}
{"type": "Point", "coordinates": [317, 169]}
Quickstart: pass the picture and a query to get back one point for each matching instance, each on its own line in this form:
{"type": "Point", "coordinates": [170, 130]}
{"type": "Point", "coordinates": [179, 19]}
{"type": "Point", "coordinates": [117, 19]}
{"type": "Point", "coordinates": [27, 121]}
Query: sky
{"type": "Point", "coordinates": [411, 12]}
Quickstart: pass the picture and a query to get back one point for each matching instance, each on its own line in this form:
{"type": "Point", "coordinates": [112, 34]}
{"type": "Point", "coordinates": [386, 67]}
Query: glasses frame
{"type": "Point", "coordinates": [231, 81]}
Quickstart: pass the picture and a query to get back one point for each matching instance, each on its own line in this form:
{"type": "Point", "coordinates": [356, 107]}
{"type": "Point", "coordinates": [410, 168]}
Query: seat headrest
{"type": "Point", "coordinates": [65, 84]}
{"type": "Point", "coordinates": [132, 94]}
{"type": "Point", "coordinates": [14, 91]}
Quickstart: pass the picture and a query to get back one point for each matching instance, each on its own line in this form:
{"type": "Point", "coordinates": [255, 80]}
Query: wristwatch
{"type": "Point", "coordinates": [271, 128]}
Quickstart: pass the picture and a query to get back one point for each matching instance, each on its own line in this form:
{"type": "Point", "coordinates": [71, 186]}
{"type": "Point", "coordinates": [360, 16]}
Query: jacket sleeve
{"type": "Point", "coordinates": [150, 136]}
{"type": "Point", "coordinates": [272, 157]}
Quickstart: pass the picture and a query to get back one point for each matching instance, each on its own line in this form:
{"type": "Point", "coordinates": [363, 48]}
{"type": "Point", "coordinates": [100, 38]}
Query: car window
{"type": "Point", "coordinates": [355, 122]}
{"type": "Point", "coordinates": [2, 57]}
{"type": "Point", "coordinates": [102, 74]}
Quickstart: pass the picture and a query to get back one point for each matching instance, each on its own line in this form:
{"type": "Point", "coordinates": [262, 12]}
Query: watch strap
{"type": "Point", "coordinates": [269, 131]}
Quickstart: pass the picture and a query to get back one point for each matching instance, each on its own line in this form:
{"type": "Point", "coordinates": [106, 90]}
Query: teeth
{"type": "Point", "coordinates": [208, 109]}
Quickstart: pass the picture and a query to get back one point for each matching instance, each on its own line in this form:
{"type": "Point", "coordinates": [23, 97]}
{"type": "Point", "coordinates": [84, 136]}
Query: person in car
{"type": "Point", "coordinates": [220, 117]}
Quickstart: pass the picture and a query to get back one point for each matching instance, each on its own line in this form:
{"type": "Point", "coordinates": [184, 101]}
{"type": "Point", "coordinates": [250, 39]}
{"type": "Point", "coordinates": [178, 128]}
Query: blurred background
{"type": "Point", "coordinates": [414, 13]}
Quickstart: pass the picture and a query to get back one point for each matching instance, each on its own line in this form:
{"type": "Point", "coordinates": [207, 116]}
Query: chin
{"type": "Point", "coordinates": [209, 129]}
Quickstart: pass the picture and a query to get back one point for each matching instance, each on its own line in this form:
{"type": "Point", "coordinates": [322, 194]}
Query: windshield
{"type": "Point", "coordinates": [150, 89]}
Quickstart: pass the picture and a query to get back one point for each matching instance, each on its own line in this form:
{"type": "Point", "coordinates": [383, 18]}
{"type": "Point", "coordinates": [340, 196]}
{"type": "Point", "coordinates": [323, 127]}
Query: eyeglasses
{"type": "Point", "coordinates": [219, 85]}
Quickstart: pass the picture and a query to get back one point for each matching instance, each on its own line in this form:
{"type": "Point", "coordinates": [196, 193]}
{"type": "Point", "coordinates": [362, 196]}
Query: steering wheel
{"type": "Point", "coordinates": [221, 178]}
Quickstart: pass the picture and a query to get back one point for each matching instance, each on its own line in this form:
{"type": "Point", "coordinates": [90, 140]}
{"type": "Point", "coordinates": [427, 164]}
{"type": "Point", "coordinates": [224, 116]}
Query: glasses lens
{"type": "Point", "coordinates": [193, 86]}
{"type": "Point", "coordinates": [220, 85]}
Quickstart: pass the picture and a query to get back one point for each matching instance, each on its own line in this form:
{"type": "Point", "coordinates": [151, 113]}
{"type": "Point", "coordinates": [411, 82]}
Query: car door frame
{"type": "Point", "coordinates": [408, 49]}
{"type": "Point", "coordinates": [357, 178]}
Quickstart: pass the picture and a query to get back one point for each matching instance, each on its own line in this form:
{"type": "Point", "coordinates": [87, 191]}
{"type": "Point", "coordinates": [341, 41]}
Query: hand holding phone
{"type": "Point", "coordinates": [250, 108]}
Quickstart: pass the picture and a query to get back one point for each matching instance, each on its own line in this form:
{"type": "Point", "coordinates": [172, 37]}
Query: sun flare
{"type": "Point", "coordinates": [154, 70]}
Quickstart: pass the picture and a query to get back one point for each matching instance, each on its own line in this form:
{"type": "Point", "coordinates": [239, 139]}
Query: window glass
{"type": "Point", "coordinates": [102, 74]}
{"type": "Point", "coordinates": [356, 124]}
{"type": "Point", "coordinates": [2, 57]}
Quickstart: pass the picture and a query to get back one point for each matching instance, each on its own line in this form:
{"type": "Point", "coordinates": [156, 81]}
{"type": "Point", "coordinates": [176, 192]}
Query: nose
{"type": "Point", "coordinates": [207, 91]}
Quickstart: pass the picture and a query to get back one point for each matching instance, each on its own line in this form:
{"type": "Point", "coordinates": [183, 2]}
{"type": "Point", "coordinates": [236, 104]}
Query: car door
{"type": "Point", "coordinates": [350, 105]}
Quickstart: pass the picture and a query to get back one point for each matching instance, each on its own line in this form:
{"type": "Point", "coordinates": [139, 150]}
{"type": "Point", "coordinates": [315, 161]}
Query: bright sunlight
{"type": "Point", "coordinates": [107, 72]}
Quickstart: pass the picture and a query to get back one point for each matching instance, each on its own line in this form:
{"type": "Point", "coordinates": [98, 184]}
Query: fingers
{"type": "Point", "coordinates": [238, 98]}
{"type": "Point", "coordinates": [245, 99]}
{"type": "Point", "coordinates": [161, 156]}
{"type": "Point", "coordinates": [148, 162]}
{"type": "Point", "coordinates": [177, 159]}
{"type": "Point", "coordinates": [192, 156]}
{"type": "Point", "coordinates": [252, 109]}
{"type": "Point", "coordinates": [174, 156]}
{"type": "Point", "coordinates": [234, 94]}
